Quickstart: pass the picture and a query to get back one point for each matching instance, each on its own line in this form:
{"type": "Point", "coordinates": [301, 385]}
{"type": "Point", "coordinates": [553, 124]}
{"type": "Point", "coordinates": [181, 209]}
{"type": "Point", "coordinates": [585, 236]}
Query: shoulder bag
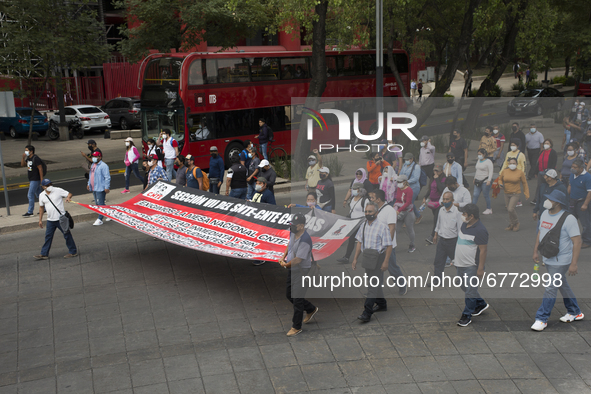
{"type": "Point", "coordinates": [66, 221]}
{"type": "Point", "coordinates": [549, 246]}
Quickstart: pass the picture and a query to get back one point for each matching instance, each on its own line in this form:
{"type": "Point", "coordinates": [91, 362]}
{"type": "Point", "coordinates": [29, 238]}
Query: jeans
{"type": "Point", "coordinates": [409, 220]}
{"type": "Point", "coordinates": [533, 156]}
{"type": "Point", "coordinates": [510, 201]}
{"type": "Point", "coordinates": [472, 297]}
{"type": "Point", "coordinates": [132, 167]}
{"type": "Point", "coordinates": [264, 150]}
{"type": "Point", "coordinates": [34, 191]}
{"type": "Point", "coordinates": [485, 189]}
{"type": "Point", "coordinates": [295, 293]}
{"type": "Point", "coordinates": [549, 298]}
{"type": "Point", "coordinates": [416, 189]}
{"type": "Point", "coordinates": [213, 187]}
{"type": "Point", "coordinates": [50, 228]}
{"type": "Point", "coordinates": [99, 199]}
{"type": "Point", "coordinates": [375, 295]}
{"type": "Point", "coordinates": [585, 219]}
{"type": "Point", "coordinates": [250, 191]}
{"type": "Point", "coordinates": [446, 247]}
{"type": "Point", "coordinates": [498, 155]}
{"type": "Point", "coordinates": [393, 267]}
{"type": "Point", "coordinates": [170, 171]}
{"type": "Point", "coordinates": [238, 193]}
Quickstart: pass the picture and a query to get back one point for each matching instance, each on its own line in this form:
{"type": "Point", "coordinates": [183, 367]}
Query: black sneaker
{"type": "Point", "coordinates": [480, 309]}
{"type": "Point", "coordinates": [343, 260]}
{"type": "Point", "coordinates": [365, 318]}
{"type": "Point", "coordinates": [464, 320]}
{"type": "Point", "coordinates": [380, 308]}
{"type": "Point", "coordinates": [429, 240]}
{"type": "Point", "coordinates": [26, 215]}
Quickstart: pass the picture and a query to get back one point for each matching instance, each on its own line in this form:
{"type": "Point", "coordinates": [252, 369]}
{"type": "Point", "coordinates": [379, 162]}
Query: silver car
{"type": "Point", "coordinates": [91, 117]}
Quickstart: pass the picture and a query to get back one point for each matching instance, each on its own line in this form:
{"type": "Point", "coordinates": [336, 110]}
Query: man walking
{"type": "Point", "coordinates": [533, 140]}
{"type": "Point", "coordinates": [267, 172]}
{"type": "Point", "coordinates": [264, 137]}
{"type": "Point", "coordinates": [375, 241]}
{"type": "Point", "coordinates": [427, 156]}
{"type": "Point", "coordinates": [459, 149]}
{"type": "Point", "coordinates": [52, 201]}
{"type": "Point", "coordinates": [564, 262]}
{"type": "Point", "coordinates": [99, 182]}
{"type": "Point", "coordinates": [297, 259]}
{"type": "Point", "coordinates": [516, 134]}
{"type": "Point", "coordinates": [461, 194]}
{"type": "Point", "coordinates": [170, 147]}
{"type": "Point", "coordinates": [447, 228]}
{"type": "Point", "coordinates": [35, 173]}
{"type": "Point", "coordinates": [549, 184]}
{"type": "Point", "coordinates": [92, 147]}
{"type": "Point", "coordinates": [236, 179]}
{"type": "Point", "coordinates": [216, 171]}
{"type": "Point", "coordinates": [579, 190]}
{"type": "Point", "coordinates": [470, 257]}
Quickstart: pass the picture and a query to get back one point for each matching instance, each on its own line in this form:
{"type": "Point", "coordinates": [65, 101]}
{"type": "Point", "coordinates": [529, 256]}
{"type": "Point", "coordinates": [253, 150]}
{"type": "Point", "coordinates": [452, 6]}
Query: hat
{"type": "Point", "coordinates": [153, 157]}
{"type": "Point", "coordinates": [402, 178]}
{"type": "Point", "coordinates": [96, 154]}
{"type": "Point", "coordinates": [424, 138]}
{"type": "Point", "coordinates": [189, 157]}
{"type": "Point", "coordinates": [213, 148]}
{"type": "Point", "coordinates": [311, 157]}
{"type": "Point", "coordinates": [264, 163]}
{"type": "Point", "coordinates": [557, 196]}
{"type": "Point", "coordinates": [408, 155]}
{"type": "Point", "coordinates": [45, 182]}
{"type": "Point", "coordinates": [129, 139]}
{"type": "Point", "coordinates": [325, 170]}
{"type": "Point", "coordinates": [450, 154]}
{"type": "Point", "coordinates": [583, 103]}
{"type": "Point", "coordinates": [298, 218]}
{"type": "Point", "coordinates": [438, 167]}
{"type": "Point", "coordinates": [551, 173]}
{"type": "Point", "coordinates": [262, 179]}
{"type": "Point", "coordinates": [357, 185]}
{"type": "Point", "coordinates": [91, 142]}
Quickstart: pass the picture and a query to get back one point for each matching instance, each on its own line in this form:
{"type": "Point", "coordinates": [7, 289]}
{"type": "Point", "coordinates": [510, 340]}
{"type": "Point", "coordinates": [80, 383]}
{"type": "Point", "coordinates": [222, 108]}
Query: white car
{"type": "Point", "coordinates": [92, 118]}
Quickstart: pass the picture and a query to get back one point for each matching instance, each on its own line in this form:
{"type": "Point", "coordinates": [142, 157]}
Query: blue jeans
{"type": "Point", "coordinates": [50, 228]}
{"type": "Point", "coordinates": [132, 167]}
{"type": "Point", "coordinates": [393, 267]}
{"type": "Point", "coordinates": [416, 189]}
{"type": "Point", "coordinates": [264, 150]}
{"type": "Point", "coordinates": [570, 302]}
{"type": "Point", "coordinates": [472, 297]}
{"type": "Point", "coordinates": [250, 191]}
{"type": "Point", "coordinates": [170, 171]}
{"type": "Point", "coordinates": [213, 187]}
{"type": "Point", "coordinates": [585, 219]}
{"type": "Point", "coordinates": [485, 189]}
{"type": "Point", "coordinates": [238, 193]}
{"type": "Point", "coordinates": [99, 199]}
{"type": "Point", "coordinates": [34, 191]}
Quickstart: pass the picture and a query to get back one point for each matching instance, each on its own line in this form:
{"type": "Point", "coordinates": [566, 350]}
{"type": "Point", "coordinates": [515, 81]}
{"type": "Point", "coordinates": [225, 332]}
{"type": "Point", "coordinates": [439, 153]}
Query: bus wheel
{"type": "Point", "coordinates": [233, 147]}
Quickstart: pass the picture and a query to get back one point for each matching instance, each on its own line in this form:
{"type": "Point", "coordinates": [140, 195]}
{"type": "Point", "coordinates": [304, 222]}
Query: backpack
{"type": "Point", "coordinates": [205, 180]}
{"type": "Point", "coordinates": [549, 246]}
{"type": "Point", "coordinates": [270, 133]}
{"type": "Point", "coordinates": [422, 178]}
{"type": "Point", "coordinates": [43, 167]}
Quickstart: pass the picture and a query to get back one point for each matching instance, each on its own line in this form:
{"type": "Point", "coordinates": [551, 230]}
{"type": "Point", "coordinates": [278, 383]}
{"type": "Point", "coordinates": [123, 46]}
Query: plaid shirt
{"type": "Point", "coordinates": [377, 236]}
{"type": "Point", "coordinates": [156, 174]}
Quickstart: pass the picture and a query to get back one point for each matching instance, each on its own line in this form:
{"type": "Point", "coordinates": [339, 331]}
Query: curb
{"type": "Point", "coordinates": [79, 218]}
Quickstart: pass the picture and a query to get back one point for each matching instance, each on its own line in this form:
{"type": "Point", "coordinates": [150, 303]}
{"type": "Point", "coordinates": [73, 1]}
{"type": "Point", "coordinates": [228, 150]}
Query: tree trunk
{"type": "Point", "coordinates": [484, 54]}
{"type": "Point", "coordinates": [567, 65]}
{"type": "Point", "coordinates": [317, 85]}
{"type": "Point", "coordinates": [465, 93]}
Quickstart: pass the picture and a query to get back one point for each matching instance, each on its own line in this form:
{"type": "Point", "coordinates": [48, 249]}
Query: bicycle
{"type": "Point", "coordinates": [273, 153]}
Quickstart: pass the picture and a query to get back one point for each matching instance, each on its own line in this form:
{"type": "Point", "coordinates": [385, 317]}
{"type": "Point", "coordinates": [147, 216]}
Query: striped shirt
{"type": "Point", "coordinates": [376, 234]}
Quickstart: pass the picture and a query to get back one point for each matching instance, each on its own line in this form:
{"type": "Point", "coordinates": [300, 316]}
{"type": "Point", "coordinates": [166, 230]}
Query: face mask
{"type": "Point", "coordinates": [127, 144]}
{"type": "Point", "coordinates": [312, 163]}
{"type": "Point", "coordinates": [547, 204]}
{"type": "Point", "coordinates": [487, 134]}
{"type": "Point", "coordinates": [311, 203]}
{"type": "Point", "coordinates": [250, 155]}
{"type": "Point", "coordinates": [370, 217]}
{"type": "Point", "coordinates": [512, 166]}
{"type": "Point", "coordinates": [422, 144]}
{"type": "Point", "coordinates": [354, 192]}
{"type": "Point", "coordinates": [452, 188]}
{"type": "Point", "coordinates": [293, 228]}
{"type": "Point", "coordinates": [214, 155]}
{"type": "Point", "coordinates": [407, 162]}
{"type": "Point", "coordinates": [450, 161]}
{"type": "Point", "coordinates": [258, 188]}
{"type": "Point", "coordinates": [513, 148]}
{"type": "Point", "coordinates": [456, 136]}
{"type": "Point", "coordinates": [546, 146]}
{"type": "Point", "coordinates": [90, 148]}
{"type": "Point", "coordinates": [27, 153]}
{"type": "Point", "coordinates": [532, 130]}
{"type": "Point", "coordinates": [465, 219]}
{"type": "Point", "coordinates": [400, 184]}
{"type": "Point", "coordinates": [323, 176]}
{"type": "Point", "coordinates": [448, 204]}
{"type": "Point", "coordinates": [496, 131]}
{"type": "Point", "coordinates": [480, 157]}
{"type": "Point", "coordinates": [94, 159]}
{"type": "Point", "coordinates": [151, 163]}
{"type": "Point", "coordinates": [49, 189]}
{"type": "Point", "coordinates": [514, 128]}
{"type": "Point", "coordinates": [570, 152]}
{"type": "Point", "coordinates": [572, 170]}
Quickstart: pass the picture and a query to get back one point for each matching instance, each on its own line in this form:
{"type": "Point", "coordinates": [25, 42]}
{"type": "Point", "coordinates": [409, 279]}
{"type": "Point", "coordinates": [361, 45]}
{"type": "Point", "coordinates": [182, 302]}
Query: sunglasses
{"type": "Point", "coordinates": [358, 173]}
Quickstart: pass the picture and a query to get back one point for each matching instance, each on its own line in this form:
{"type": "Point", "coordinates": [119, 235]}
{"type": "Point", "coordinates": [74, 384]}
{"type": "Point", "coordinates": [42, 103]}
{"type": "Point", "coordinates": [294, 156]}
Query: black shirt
{"type": "Point", "coordinates": [33, 169]}
{"type": "Point", "coordinates": [238, 174]}
{"type": "Point", "coordinates": [270, 175]}
{"type": "Point", "coordinates": [518, 135]}
{"type": "Point", "coordinates": [325, 194]}
{"type": "Point", "coordinates": [457, 148]}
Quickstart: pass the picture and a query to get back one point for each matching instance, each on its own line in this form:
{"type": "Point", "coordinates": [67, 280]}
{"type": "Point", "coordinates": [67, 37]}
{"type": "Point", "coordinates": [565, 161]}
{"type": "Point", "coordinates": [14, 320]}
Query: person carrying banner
{"type": "Point", "coordinates": [99, 182]}
{"type": "Point", "coordinates": [262, 192]}
{"type": "Point", "coordinates": [297, 259]}
{"type": "Point", "coordinates": [156, 172]}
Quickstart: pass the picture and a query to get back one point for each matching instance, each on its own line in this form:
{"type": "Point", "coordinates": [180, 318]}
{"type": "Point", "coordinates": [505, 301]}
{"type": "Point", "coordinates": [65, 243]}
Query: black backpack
{"type": "Point", "coordinates": [549, 246]}
{"type": "Point", "coordinates": [43, 166]}
{"type": "Point", "coordinates": [270, 134]}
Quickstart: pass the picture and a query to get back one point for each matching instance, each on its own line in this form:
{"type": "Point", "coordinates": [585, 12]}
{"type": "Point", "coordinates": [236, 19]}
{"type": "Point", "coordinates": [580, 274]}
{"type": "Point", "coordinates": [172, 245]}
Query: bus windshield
{"type": "Point", "coordinates": [163, 71]}
{"type": "Point", "coordinates": [154, 121]}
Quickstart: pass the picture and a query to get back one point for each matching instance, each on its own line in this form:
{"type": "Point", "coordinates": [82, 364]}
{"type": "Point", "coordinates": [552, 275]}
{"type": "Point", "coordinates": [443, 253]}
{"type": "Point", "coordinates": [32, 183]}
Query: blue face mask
{"type": "Point", "coordinates": [407, 162]}
{"type": "Point", "coordinates": [250, 155]}
{"type": "Point", "coordinates": [448, 204]}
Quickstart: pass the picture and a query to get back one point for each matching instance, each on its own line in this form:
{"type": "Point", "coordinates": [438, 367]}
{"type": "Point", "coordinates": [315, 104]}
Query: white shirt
{"type": "Point", "coordinates": [388, 215]}
{"type": "Point", "coordinates": [461, 196]}
{"type": "Point", "coordinates": [57, 195]}
{"type": "Point", "coordinates": [169, 151]}
{"type": "Point", "coordinates": [357, 208]}
{"type": "Point", "coordinates": [448, 222]}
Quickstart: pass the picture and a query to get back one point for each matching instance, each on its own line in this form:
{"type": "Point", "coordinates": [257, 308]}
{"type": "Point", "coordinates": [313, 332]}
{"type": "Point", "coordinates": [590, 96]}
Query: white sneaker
{"type": "Point", "coordinates": [487, 212]}
{"type": "Point", "coordinates": [568, 318]}
{"type": "Point", "coordinates": [97, 222]}
{"type": "Point", "coordinates": [108, 219]}
{"type": "Point", "coordinates": [539, 325]}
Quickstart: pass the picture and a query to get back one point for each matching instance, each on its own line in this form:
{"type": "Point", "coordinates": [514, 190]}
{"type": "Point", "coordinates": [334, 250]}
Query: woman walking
{"type": "Point", "coordinates": [361, 178]}
{"type": "Point", "coordinates": [388, 184]}
{"type": "Point", "coordinates": [404, 206]}
{"type": "Point", "coordinates": [483, 180]}
{"type": "Point", "coordinates": [437, 187]}
{"type": "Point", "coordinates": [356, 211]}
{"type": "Point", "coordinates": [132, 157]}
{"type": "Point", "coordinates": [511, 181]}
{"type": "Point", "coordinates": [569, 158]}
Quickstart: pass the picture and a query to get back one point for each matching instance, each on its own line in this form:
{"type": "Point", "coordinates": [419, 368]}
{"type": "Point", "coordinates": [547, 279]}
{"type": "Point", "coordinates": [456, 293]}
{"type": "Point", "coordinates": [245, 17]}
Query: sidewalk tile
{"type": "Point", "coordinates": [454, 367]}
{"type": "Point", "coordinates": [485, 366]}
{"type": "Point", "coordinates": [535, 386]}
{"type": "Point", "coordinates": [147, 372]}
{"type": "Point", "coordinates": [468, 387]}
{"type": "Point", "coordinates": [36, 357]}
{"type": "Point", "coordinates": [158, 388]}
{"type": "Point", "coordinates": [116, 377]}
{"type": "Point", "coordinates": [186, 386]}
{"type": "Point", "coordinates": [570, 342]}
{"type": "Point", "coordinates": [358, 373]}
{"type": "Point", "coordinates": [41, 386]}
{"type": "Point", "coordinates": [519, 366]}
{"type": "Point", "coordinates": [254, 382]}
{"type": "Point", "coordinates": [410, 345]}
{"type": "Point", "coordinates": [502, 342]}
{"type": "Point", "coordinates": [345, 348]}
{"type": "Point", "coordinates": [75, 383]}
{"type": "Point", "coordinates": [438, 343]}
{"type": "Point", "coordinates": [173, 335]}
{"type": "Point", "coordinates": [287, 379]}
{"type": "Point", "coordinates": [110, 359]}
{"type": "Point", "coordinates": [407, 388]}
{"type": "Point", "coordinates": [35, 338]}
{"type": "Point", "coordinates": [570, 385]}
{"type": "Point", "coordinates": [73, 350]}
{"type": "Point", "coordinates": [246, 359]}
{"type": "Point", "coordinates": [279, 355]}
{"type": "Point", "coordinates": [37, 373]}
{"type": "Point", "coordinates": [323, 376]}
{"type": "Point", "coordinates": [216, 362]}
{"type": "Point", "coordinates": [424, 369]}
{"type": "Point", "coordinates": [554, 366]}
{"type": "Point", "coordinates": [181, 367]}
{"type": "Point", "coordinates": [436, 387]}
{"type": "Point", "coordinates": [505, 386]}
{"type": "Point", "coordinates": [580, 363]}
{"type": "Point", "coordinates": [312, 352]}
{"type": "Point", "coordinates": [468, 342]}
{"type": "Point", "coordinates": [378, 347]}
{"type": "Point", "coordinates": [221, 384]}
{"type": "Point", "coordinates": [534, 343]}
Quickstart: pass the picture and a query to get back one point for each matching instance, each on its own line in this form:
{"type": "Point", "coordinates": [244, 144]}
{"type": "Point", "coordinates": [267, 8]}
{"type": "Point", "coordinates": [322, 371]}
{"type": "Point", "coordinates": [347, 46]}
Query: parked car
{"type": "Point", "coordinates": [536, 101]}
{"type": "Point", "coordinates": [92, 118]}
{"type": "Point", "coordinates": [124, 112]}
{"type": "Point", "coordinates": [20, 123]}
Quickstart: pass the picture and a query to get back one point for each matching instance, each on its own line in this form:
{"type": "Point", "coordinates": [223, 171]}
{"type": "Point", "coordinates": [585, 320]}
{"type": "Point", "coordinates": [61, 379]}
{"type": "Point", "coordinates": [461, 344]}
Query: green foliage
{"type": "Point", "coordinates": [519, 86]}
{"type": "Point", "coordinates": [334, 165]}
{"type": "Point", "coordinates": [565, 81]}
{"type": "Point", "coordinates": [496, 91]}
{"type": "Point", "coordinates": [441, 143]}
{"type": "Point", "coordinates": [445, 102]}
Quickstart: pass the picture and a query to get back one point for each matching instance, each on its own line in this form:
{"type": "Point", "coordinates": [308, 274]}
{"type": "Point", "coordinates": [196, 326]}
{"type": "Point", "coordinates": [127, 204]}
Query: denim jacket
{"type": "Point", "coordinates": [102, 177]}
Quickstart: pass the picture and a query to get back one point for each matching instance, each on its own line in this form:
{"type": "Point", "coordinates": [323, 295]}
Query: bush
{"type": "Point", "coordinates": [334, 165]}
{"type": "Point", "coordinates": [566, 81]}
{"type": "Point", "coordinates": [518, 86]}
{"type": "Point", "coordinates": [446, 102]}
{"type": "Point", "coordinates": [496, 91]}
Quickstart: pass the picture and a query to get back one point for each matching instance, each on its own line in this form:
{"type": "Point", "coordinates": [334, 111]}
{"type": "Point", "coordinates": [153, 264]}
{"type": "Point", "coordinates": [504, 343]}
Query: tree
{"type": "Point", "coordinates": [40, 38]}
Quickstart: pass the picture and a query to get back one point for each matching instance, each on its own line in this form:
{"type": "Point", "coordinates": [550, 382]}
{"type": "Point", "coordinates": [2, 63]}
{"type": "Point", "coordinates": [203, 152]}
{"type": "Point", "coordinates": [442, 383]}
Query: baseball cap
{"type": "Point", "coordinates": [264, 163]}
{"type": "Point", "coordinates": [582, 103]}
{"type": "Point", "coordinates": [129, 139]}
{"type": "Point", "coordinates": [213, 148]}
{"type": "Point", "coordinates": [189, 157]}
{"type": "Point", "coordinates": [97, 154]}
{"type": "Point", "coordinates": [408, 155]}
{"type": "Point", "coordinates": [325, 169]}
{"type": "Point", "coordinates": [438, 167]}
{"type": "Point", "coordinates": [153, 157]}
{"type": "Point", "coordinates": [91, 142]}
{"type": "Point", "coordinates": [45, 182]}
{"type": "Point", "coordinates": [552, 173]}
{"type": "Point", "coordinates": [312, 157]}
{"type": "Point", "coordinates": [402, 178]}
{"type": "Point", "coordinates": [298, 218]}
{"type": "Point", "coordinates": [424, 138]}
{"type": "Point", "coordinates": [262, 179]}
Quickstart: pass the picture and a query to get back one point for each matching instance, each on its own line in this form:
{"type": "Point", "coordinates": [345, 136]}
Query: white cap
{"type": "Point", "coordinates": [264, 163]}
{"type": "Point", "coordinates": [189, 157]}
{"type": "Point", "coordinates": [129, 139]}
{"type": "Point", "coordinates": [325, 169]}
{"type": "Point", "coordinates": [552, 173]}
{"type": "Point", "coordinates": [582, 103]}
{"type": "Point", "coordinates": [213, 148]}
{"type": "Point", "coordinates": [312, 157]}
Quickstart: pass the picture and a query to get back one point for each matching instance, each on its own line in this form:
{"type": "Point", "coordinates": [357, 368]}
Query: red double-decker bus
{"type": "Point", "coordinates": [217, 99]}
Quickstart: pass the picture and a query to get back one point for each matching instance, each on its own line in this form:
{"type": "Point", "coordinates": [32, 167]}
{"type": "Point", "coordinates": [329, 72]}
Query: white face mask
{"type": "Point", "coordinates": [258, 188]}
{"type": "Point", "coordinates": [480, 157]}
{"type": "Point", "coordinates": [546, 146]}
{"type": "Point", "coordinates": [27, 153]}
{"type": "Point", "coordinates": [127, 143]}
{"type": "Point", "coordinates": [532, 130]}
{"type": "Point", "coordinates": [512, 166]}
{"type": "Point", "coordinates": [547, 204]}
{"type": "Point", "coordinates": [496, 131]}
{"type": "Point", "coordinates": [400, 184]}
{"type": "Point", "coordinates": [570, 152]}
{"type": "Point", "coordinates": [151, 163]}
{"type": "Point", "coordinates": [49, 189]}
{"type": "Point", "coordinates": [94, 159]}
{"type": "Point", "coordinates": [311, 203]}
{"type": "Point", "coordinates": [465, 219]}
{"type": "Point", "coordinates": [354, 192]}
{"type": "Point", "coordinates": [422, 144]}
{"type": "Point", "coordinates": [513, 148]}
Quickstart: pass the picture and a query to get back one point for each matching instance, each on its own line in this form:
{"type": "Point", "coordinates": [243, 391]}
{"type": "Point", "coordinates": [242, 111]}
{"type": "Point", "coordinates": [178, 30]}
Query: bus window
{"type": "Point", "coordinates": [349, 65]}
{"type": "Point", "coordinates": [331, 66]}
{"type": "Point", "coordinates": [265, 69]}
{"type": "Point", "coordinates": [232, 70]}
{"type": "Point", "coordinates": [401, 63]}
{"type": "Point", "coordinates": [292, 120]}
{"type": "Point", "coordinates": [200, 127]}
{"type": "Point", "coordinates": [162, 71]}
{"type": "Point", "coordinates": [196, 72]}
{"type": "Point", "coordinates": [153, 122]}
{"type": "Point", "coordinates": [297, 67]}
{"type": "Point", "coordinates": [368, 63]}
{"type": "Point", "coordinates": [211, 69]}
